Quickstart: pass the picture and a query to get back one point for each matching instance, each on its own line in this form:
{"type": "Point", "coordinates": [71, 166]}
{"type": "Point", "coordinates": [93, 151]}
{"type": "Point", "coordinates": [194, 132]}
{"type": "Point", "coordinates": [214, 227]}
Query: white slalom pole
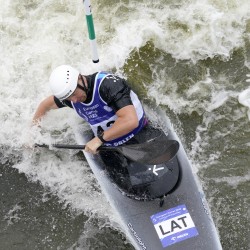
{"type": "Point", "coordinates": [91, 30]}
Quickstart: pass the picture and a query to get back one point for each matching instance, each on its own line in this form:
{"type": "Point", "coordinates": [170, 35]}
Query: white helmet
{"type": "Point", "coordinates": [63, 81]}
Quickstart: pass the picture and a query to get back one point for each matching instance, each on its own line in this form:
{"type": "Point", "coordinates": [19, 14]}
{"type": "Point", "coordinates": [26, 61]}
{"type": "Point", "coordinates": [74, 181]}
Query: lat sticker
{"type": "Point", "coordinates": [174, 225]}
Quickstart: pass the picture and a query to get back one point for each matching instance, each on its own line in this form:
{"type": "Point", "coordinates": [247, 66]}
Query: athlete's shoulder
{"type": "Point", "coordinates": [113, 81]}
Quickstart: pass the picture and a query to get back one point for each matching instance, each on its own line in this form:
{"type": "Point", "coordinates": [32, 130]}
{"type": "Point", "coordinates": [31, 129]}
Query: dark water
{"type": "Point", "coordinates": [33, 218]}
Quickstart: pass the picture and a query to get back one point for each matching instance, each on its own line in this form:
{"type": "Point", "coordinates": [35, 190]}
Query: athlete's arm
{"type": "Point", "coordinates": [46, 105]}
{"type": "Point", "coordinates": [116, 93]}
{"type": "Point", "coordinates": [127, 121]}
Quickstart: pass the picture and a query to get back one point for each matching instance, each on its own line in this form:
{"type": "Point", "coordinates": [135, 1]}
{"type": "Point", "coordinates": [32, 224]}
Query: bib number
{"type": "Point", "coordinates": [100, 129]}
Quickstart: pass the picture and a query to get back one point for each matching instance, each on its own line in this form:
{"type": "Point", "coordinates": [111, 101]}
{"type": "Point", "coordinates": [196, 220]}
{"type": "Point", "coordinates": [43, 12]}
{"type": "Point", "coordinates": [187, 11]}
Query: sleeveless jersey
{"type": "Point", "coordinates": [101, 117]}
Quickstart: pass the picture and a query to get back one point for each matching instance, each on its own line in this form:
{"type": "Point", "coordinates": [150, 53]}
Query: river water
{"type": "Point", "coordinates": [191, 57]}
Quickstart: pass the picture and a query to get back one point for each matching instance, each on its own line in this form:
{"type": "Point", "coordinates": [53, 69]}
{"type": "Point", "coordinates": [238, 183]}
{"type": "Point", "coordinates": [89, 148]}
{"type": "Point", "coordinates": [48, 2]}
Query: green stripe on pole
{"type": "Point", "coordinates": [90, 25]}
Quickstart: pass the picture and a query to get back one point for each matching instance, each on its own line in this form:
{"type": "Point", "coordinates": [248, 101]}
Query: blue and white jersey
{"type": "Point", "coordinates": [101, 117]}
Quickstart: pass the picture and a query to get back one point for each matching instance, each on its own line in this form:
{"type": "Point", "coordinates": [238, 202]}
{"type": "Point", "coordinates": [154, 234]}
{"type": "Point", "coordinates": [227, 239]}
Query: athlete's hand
{"type": "Point", "coordinates": [93, 145]}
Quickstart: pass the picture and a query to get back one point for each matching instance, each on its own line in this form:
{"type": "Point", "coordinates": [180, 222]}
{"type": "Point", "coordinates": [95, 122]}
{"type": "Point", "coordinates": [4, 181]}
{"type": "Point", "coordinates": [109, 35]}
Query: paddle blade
{"type": "Point", "coordinates": [156, 151]}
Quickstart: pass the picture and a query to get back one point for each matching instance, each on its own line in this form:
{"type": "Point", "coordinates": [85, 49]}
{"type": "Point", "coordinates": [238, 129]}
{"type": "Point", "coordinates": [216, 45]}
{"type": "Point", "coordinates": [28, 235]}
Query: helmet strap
{"type": "Point", "coordinates": [81, 87]}
{"type": "Point", "coordinates": [84, 87]}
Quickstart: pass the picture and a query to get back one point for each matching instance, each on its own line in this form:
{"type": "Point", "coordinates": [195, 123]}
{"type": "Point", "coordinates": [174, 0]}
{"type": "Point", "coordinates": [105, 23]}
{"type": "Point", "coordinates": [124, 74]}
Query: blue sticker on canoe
{"type": "Point", "coordinates": [174, 225]}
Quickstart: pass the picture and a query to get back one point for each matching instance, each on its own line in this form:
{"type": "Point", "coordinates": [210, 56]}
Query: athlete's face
{"type": "Point", "coordinates": [78, 95]}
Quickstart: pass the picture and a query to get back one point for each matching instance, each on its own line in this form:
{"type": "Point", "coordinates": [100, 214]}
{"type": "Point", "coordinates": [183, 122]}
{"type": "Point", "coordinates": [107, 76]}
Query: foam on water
{"type": "Point", "coordinates": [13, 215]}
{"type": "Point", "coordinates": [187, 29]}
{"type": "Point", "coordinates": [234, 181]}
{"type": "Point", "coordinates": [36, 37]}
{"type": "Point", "coordinates": [244, 97]}
{"type": "Point", "coordinates": [71, 181]}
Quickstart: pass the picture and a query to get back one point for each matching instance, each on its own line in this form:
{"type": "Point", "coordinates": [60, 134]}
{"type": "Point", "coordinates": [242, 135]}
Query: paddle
{"type": "Point", "coordinates": [155, 151]}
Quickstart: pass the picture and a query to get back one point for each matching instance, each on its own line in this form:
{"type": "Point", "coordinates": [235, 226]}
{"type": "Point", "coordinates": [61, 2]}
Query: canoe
{"type": "Point", "coordinates": [160, 206]}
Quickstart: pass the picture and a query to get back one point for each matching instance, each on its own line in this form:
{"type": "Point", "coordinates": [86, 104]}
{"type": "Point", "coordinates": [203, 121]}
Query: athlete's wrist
{"type": "Point", "coordinates": [100, 136]}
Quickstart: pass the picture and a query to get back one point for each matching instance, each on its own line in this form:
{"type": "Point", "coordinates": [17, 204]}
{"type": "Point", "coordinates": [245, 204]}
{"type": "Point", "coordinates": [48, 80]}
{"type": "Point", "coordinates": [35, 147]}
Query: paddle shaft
{"type": "Point", "coordinates": [80, 147]}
